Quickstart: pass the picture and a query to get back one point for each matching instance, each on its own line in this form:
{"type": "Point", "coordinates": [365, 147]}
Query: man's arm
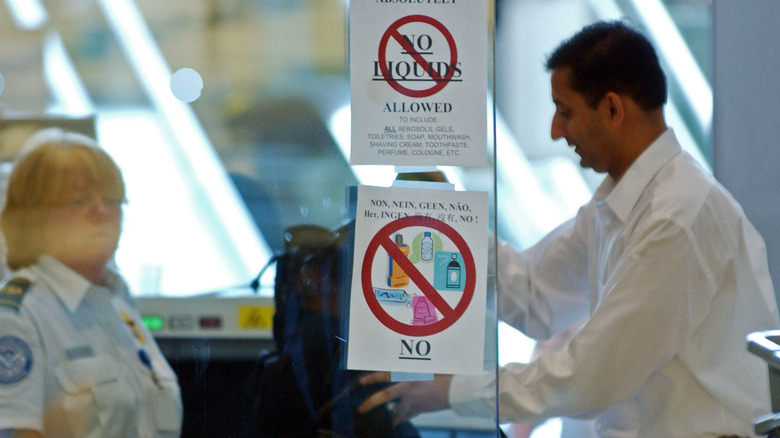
{"type": "Point", "coordinates": [543, 290]}
{"type": "Point", "coordinates": [649, 306]}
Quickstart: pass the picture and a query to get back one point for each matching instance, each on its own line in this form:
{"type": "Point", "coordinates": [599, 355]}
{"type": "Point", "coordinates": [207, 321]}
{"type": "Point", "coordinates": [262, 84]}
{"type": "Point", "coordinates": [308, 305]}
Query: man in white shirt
{"type": "Point", "coordinates": [662, 263]}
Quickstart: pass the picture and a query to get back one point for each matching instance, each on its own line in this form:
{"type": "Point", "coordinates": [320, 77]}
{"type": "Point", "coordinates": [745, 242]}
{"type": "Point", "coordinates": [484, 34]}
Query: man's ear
{"type": "Point", "coordinates": [615, 109]}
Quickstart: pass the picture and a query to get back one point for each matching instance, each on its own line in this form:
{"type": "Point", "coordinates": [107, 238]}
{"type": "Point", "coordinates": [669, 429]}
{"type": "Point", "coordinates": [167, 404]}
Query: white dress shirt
{"type": "Point", "coordinates": [79, 363]}
{"type": "Point", "coordinates": [670, 277]}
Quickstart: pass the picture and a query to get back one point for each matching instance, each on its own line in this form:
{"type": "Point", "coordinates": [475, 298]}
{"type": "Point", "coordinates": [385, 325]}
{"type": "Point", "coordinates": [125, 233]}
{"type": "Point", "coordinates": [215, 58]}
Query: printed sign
{"type": "Point", "coordinates": [419, 281]}
{"type": "Point", "coordinates": [418, 75]}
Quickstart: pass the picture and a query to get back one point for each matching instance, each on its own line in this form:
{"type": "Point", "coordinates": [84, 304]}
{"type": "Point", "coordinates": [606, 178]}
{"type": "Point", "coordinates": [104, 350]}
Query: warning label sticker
{"type": "Point", "coordinates": [419, 281]}
{"type": "Point", "coordinates": [418, 76]}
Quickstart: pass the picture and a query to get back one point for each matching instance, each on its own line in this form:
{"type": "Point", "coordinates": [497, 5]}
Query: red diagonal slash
{"type": "Point", "coordinates": [392, 31]}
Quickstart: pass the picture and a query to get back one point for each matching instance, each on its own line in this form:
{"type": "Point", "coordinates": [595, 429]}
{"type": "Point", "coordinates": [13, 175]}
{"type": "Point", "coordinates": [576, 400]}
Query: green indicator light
{"type": "Point", "coordinates": [154, 323]}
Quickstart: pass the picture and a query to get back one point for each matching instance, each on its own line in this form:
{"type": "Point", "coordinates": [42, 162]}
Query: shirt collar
{"type": "Point", "coordinates": [68, 285]}
{"type": "Point", "coordinates": [623, 195]}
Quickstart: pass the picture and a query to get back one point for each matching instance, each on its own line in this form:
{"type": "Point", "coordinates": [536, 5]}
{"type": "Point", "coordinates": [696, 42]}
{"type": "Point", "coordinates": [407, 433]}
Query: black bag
{"type": "Point", "coordinates": [303, 388]}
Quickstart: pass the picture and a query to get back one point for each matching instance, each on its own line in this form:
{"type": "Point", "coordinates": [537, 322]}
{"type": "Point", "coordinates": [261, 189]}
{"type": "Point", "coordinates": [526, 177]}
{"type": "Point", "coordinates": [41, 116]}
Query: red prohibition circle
{"type": "Point", "coordinates": [450, 315]}
{"type": "Point", "coordinates": [392, 31]}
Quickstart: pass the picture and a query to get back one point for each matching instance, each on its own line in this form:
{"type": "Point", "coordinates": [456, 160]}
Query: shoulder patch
{"type": "Point", "coordinates": [13, 291]}
{"type": "Point", "coordinates": [15, 360]}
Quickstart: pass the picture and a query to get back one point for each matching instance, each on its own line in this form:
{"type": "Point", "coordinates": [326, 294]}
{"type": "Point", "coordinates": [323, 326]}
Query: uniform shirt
{"type": "Point", "coordinates": [671, 277]}
{"type": "Point", "coordinates": [77, 361]}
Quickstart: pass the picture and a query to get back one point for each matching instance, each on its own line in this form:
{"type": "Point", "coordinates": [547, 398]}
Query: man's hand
{"type": "Point", "coordinates": [411, 398]}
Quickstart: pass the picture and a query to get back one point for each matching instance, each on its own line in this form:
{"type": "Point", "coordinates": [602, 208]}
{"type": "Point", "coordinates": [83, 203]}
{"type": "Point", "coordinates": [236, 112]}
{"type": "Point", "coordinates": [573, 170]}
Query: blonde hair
{"type": "Point", "coordinates": [52, 162]}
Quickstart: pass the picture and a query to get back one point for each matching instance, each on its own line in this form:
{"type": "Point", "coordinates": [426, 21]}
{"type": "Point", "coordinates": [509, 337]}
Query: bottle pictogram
{"type": "Point", "coordinates": [396, 277]}
{"type": "Point", "coordinates": [426, 247]}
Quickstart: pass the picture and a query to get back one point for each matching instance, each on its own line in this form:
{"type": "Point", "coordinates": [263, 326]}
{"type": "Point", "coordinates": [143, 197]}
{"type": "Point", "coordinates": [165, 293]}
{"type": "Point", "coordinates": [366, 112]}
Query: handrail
{"type": "Point", "coordinates": [764, 344]}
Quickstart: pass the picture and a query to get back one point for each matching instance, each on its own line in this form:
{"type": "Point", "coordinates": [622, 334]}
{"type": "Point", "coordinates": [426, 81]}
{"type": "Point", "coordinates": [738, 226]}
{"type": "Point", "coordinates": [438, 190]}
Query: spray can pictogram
{"type": "Point", "coordinates": [453, 273]}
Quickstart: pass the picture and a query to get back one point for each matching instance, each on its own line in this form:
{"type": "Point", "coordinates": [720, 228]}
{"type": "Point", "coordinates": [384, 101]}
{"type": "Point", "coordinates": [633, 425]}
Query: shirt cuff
{"type": "Point", "coordinates": [474, 395]}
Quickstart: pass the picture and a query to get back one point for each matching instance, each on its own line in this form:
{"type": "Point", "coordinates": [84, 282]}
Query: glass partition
{"type": "Point", "coordinates": [230, 121]}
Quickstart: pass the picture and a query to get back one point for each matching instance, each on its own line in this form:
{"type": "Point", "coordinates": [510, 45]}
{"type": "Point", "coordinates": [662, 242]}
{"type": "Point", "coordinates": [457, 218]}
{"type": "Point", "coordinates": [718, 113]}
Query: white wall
{"type": "Point", "coordinates": [746, 87]}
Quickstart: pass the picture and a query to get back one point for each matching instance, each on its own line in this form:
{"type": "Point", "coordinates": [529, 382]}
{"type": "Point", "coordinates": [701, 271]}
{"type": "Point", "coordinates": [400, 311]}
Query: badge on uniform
{"type": "Point", "coordinates": [13, 291]}
{"type": "Point", "coordinates": [16, 360]}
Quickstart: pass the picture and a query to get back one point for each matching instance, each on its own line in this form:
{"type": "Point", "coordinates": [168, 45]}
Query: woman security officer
{"type": "Point", "coordinates": [75, 357]}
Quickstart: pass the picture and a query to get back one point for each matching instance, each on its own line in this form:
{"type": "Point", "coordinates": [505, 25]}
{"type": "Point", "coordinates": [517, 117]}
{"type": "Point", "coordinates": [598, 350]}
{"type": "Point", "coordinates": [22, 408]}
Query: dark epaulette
{"type": "Point", "coordinates": [13, 292]}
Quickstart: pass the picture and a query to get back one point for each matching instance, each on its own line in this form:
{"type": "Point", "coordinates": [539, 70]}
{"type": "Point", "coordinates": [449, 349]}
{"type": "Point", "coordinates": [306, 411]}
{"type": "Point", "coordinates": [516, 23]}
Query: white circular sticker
{"type": "Point", "coordinates": [186, 85]}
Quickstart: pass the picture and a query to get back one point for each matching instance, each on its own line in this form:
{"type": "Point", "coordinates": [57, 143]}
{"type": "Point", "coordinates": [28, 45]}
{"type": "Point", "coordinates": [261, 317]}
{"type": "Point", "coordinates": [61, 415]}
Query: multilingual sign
{"type": "Point", "coordinates": [419, 281]}
{"type": "Point", "coordinates": [418, 74]}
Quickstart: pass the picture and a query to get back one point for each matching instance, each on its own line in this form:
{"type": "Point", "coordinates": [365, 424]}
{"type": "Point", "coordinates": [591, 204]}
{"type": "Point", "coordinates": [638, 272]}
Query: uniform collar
{"type": "Point", "coordinates": [68, 285]}
{"type": "Point", "coordinates": [621, 197]}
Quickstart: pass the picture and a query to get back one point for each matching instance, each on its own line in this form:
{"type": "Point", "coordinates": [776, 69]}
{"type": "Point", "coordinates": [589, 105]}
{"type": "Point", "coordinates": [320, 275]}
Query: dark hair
{"type": "Point", "coordinates": [612, 56]}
